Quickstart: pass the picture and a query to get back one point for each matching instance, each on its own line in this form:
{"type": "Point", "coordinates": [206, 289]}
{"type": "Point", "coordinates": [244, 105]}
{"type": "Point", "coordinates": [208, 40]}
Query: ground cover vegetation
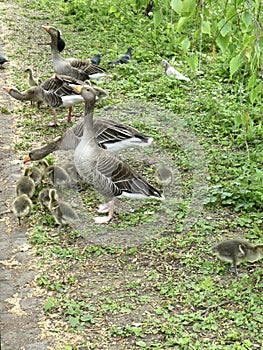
{"type": "Point", "coordinates": [109, 289]}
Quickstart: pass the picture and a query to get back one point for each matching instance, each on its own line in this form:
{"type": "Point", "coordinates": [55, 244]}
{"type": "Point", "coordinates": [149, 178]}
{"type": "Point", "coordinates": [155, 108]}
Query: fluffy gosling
{"type": "Point", "coordinates": [21, 207]}
{"type": "Point", "coordinates": [25, 184]}
{"type": "Point", "coordinates": [235, 251]}
{"type": "Point", "coordinates": [61, 211]}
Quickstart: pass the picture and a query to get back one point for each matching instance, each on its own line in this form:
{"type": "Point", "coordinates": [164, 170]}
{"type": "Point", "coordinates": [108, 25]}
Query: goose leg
{"type": "Point", "coordinates": [68, 119]}
{"type": "Point", "coordinates": [55, 123]}
{"type": "Point", "coordinates": [110, 210]}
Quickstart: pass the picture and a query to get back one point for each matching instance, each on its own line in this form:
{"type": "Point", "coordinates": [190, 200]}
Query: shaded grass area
{"type": "Point", "coordinates": [148, 279]}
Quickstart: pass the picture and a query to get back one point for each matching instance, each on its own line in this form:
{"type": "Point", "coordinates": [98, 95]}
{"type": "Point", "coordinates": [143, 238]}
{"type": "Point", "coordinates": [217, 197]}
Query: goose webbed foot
{"type": "Point", "coordinates": [105, 208]}
{"type": "Point", "coordinates": [233, 269]}
{"type": "Point", "coordinates": [54, 124]}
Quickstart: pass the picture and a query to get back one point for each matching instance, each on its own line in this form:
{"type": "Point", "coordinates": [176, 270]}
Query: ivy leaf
{"type": "Point", "coordinates": [177, 6]}
{"type": "Point", "coordinates": [74, 321]}
{"type": "Point", "coordinates": [235, 64]}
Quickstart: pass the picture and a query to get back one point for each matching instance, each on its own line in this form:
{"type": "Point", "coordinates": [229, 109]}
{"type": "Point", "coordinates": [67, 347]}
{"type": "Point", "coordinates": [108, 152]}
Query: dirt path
{"type": "Point", "coordinates": [20, 308]}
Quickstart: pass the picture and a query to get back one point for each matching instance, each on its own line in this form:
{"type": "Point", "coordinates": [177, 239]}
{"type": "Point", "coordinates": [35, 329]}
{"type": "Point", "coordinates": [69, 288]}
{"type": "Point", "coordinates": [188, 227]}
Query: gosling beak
{"type": "Point", "coordinates": [27, 159]}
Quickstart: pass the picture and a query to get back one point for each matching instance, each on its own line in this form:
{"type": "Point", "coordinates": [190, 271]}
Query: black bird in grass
{"type": "Point", "coordinates": [125, 58]}
{"type": "Point", "coordinates": [96, 59]}
{"type": "Point", "coordinates": [2, 60]}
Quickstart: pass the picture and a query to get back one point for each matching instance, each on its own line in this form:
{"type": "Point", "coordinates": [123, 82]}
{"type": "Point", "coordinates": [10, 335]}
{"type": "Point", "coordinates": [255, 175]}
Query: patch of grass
{"type": "Point", "coordinates": [148, 279]}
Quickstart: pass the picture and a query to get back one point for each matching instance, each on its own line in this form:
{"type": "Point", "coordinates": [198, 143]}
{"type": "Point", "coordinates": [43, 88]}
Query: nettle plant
{"type": "Point", "coordinates": [232, 28]}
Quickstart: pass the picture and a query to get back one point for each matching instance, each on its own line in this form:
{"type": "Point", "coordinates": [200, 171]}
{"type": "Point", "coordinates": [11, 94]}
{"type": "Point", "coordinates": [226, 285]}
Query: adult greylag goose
{"type": "Point", "coordinates": [74, 67]}
{"type": "Point", "coordinates": [55, 92]}
{"type": "Point", "coordinates": [235, 251]}
{"type": "Point", "coordinates": [62, 211]}
{"type": "Point", "coordinates": [25, 184]}
{"type": "Point", "coordinates": [108, 174]}
{"type": "Point", "coordinates": [111, 135]}
{"type": "Point", "coordinates": [21, 206]}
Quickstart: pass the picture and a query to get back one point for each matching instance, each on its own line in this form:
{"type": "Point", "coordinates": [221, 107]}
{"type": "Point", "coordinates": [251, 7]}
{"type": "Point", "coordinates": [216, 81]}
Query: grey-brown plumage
{"type": "Point", "coordinates": [57, 176]}
{"type": "Point", "coordinates": [76, 68]}
{"type": "Point", "coordinates": [111, 135]}
{"type": "Point", "coordinates": [61, 211]}
{"type": "Point", "coordinates": [108, 174]}
{"type": "Point", "coordinates": [21, 206]}
{"type": "Point", "coordinates": [25, 184]}
{"type": "Point", "coordinates": [32, 81]}
{"type": "Point", "coordinates": [164, 175]}
{"type": "Point", "coordinates": [36, 175]}
{"type": "Point", "coordinates": [55, 92]}
{"type": "Point", "coordinates": [43, 197]}
{"type": "Point", "coordinates": [125, 58]}
{"type": "Point", "coordinates": [235, 251]}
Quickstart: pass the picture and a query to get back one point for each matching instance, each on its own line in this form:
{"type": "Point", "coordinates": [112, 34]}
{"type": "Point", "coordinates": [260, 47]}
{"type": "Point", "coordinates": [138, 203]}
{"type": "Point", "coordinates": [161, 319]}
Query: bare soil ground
{"type": "Point", "coordinates": [20, 308]}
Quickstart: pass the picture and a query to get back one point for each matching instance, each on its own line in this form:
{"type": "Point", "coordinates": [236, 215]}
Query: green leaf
{"type": "Point", "coordinates": [188, 6]}
{"type": "Point", "coordinates": [177, 6]}
{"type": "Point", "coordinates": [74, 321]}
{"type": "Point", "coordinates": [225, 29]}
{"type": "Point", "coordinates": [193, 62]}
{"type": "Point", "coordinates": [206, 28]}
{"type": "Point", "coordinates": [223, 42]}
{"type": "Point", "coordinates": [185, 44]}
{"type": "Point", "coordinates": [231, 11]}
{"type": "Point", "coordinates": [157, 18]}
{"type": "Point", "coordinates": [112, 9]}
{"type": "Point", "coordinates": [49, 304]}
{"type": "Point", "coordinates": [182, 21]}
{"type": "Point", "coordinates": [246, 18]}
{"type": "Point", "coordinates": [235, 64]}
{"type": "Point", "coordinates": [252, 81]}
{"type": "Point", "coordinates": [255, 93]}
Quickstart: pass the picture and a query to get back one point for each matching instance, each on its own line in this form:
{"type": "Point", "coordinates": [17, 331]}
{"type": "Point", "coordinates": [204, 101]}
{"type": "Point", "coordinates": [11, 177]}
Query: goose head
{"type": "Point", "coordinates": [89, 92]}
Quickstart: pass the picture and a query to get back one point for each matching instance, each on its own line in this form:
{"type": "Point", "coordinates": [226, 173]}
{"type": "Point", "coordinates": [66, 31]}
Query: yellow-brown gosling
{"type": "Point", "coordinates": [25, 184]}
{"type": "Point", "coordinates": [22, 206]}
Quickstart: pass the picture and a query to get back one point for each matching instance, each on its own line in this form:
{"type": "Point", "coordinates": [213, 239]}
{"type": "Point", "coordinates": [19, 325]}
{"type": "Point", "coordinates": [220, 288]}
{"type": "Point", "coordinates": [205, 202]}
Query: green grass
{"type": "Point", "coordinates": [148, 280]}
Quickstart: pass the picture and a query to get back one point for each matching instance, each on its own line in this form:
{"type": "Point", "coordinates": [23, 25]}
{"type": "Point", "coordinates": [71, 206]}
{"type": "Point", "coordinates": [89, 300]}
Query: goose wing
{"type": "Point", "coordinates": [119, 179]}
{"type": "Point", "coordinates": [85, 66]}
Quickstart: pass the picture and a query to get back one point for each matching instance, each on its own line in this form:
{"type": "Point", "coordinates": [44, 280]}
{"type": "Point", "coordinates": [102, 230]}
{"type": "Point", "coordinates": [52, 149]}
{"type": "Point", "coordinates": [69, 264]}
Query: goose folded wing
{"type": "Point", "coordinates": [123, 180]}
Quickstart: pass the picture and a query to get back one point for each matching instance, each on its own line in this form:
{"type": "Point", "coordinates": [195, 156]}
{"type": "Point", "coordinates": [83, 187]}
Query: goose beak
{"type": "Point", "coordinates": [46, 28]}
{"type": "Point", "coordinates": [27, 159]}
{"type": "Point", "coordinates": [76, 88]}
{"type": "Point", "coordinates": [7, 89]}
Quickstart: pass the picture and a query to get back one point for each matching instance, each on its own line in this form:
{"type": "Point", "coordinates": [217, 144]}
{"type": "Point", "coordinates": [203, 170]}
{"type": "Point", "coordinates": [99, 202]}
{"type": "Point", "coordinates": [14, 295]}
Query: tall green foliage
{"type": "Point", "coordinates": [232, 28]}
